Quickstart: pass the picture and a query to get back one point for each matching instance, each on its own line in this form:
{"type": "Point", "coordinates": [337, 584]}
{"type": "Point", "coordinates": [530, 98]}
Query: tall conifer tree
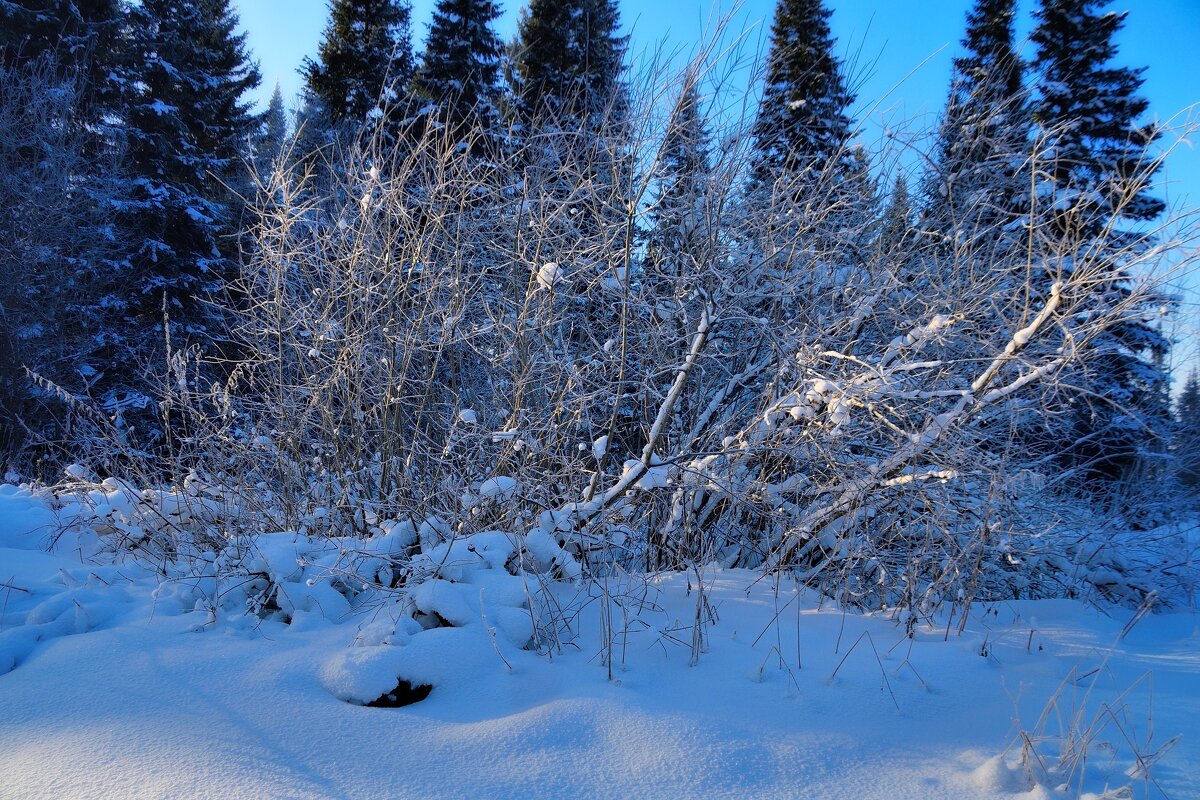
{"type": "Point", "coordinates": [568, 61]}
{"type": "Point", "coordinates": [272, 133]}
{"type": "Point", "coordinates": [188, 128]}
{"type": "Point", "coordinates": [460, 69]}
{"type": "Point", "coordinates": [61, 64]}
{"type": "Point", "coordinates": [897, 227]}
{"type": "Point", "coordinates": [1090, 110]}
{"type": "Point", "coordinates": [981, 144]}
{"type": "Point", "coordinates": [567, 79]}
{"type": "Point", "coordinates": [1187, 432]}
{"type": "Point", "coordinates": [364, 62]}
{"type": "Point", "coordinates": [803, 125]}
{"type": "Point", "coordinates": [678, 215]}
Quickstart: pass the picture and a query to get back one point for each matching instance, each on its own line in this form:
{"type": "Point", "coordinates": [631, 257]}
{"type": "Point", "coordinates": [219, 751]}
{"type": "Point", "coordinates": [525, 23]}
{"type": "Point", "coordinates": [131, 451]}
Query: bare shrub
{"type": "Point", "coordinates": [462, 344]}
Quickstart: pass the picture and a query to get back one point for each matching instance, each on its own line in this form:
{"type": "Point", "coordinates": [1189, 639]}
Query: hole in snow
{"type": "Point", "coordinates": [405, 694]}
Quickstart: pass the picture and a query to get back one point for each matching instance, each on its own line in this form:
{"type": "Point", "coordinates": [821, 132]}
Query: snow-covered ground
{"type": "Point", "coordinates": [108, 688]}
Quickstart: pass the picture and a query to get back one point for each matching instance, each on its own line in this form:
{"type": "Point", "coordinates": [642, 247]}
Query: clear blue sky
{"type": "Point", "coordinates": [883, 40]}
{"type": "Point", "coordinates": [886, 40]}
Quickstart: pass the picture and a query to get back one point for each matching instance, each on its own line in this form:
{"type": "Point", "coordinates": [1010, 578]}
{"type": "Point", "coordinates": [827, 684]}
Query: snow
{"type": "Point", "coordinates": [501, 487]}
{"type": "Point", "coordinates": [24, 520]}
{"type": "Point", "coordinates": [548, 275]}
{"type": "Point", "coordinates": [116, 691]}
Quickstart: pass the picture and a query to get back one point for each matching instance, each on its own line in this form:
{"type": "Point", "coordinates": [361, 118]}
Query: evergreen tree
{"type": "Point", "coordinates": [460, 71]}
{"type": "Point", "coordinates": [810, 194]}
{"type": "Point", "coordinates": [982, 139]}
{"type": "Point", "coordinates": [896, 230]}
{"type": "Point", "coordinates": [272, 134]}
{"type": "Point", "coordinates": [678, 215]}
{"type": "Point", "coordinates": [572, 146]}
{"type": "Point", "coordinates": [84, 40]}
{"type": "Point", "coordinates": [803, 127]}
{"type": "Point", "coordinates": [60, 261]}
{"type": "Point", "coordinates": [568, 62]}
{"type": "Point", "coordinates": [314, 129]}
{"type": "Point", "coordinates": [1089, 109]}
{"type": "Point", "coordinates": [187, 129]}
{"type": "Point", "coordinates": [1187, 432]}
{"type": "Point", "coordinates": [60, 108]}
{"type": "Point", "coordinates": [566, 78]}
{"type": "Point", "coordinates": [364, 62]}
{"type": "Point", "coordinates": [78, 34]}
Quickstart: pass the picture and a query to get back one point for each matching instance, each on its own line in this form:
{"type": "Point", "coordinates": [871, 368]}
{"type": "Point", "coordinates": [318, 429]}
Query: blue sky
{"type": "Point", "coordinates": [885, 40]}
{"type": "Point", "coordinates": [899, 52]}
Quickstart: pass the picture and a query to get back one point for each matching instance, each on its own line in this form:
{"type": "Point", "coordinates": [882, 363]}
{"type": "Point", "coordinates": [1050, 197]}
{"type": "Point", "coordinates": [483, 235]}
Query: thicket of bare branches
{"type": "Point", "coordinates": [623, 367]}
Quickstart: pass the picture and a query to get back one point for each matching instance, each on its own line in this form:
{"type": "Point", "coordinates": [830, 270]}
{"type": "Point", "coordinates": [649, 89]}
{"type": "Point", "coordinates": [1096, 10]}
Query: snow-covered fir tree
{"type": "Point", "coordinates": [80, 33]}
{"type": "Point", "coordinates": [187, 131]}
{"type": "Point", "coordinates": [803, 126]}
{"type": "Point", "coordinates": [568, 117]}
{"type": "Point", "coordinates": [272, 133]}
{"type": "Point", "coordinates": [811, 196]}
{"type": "Point", "coordinates": [683, 259]}
{"type": "Point", "coordinates": [1186, 445]}
{"type": "Point", "coordinates": [678, 243]}
{"type": "Point", "coordinates": [85, 42]}
{"type": "Point", "coordinates": [60, 67]}
{"type": "Point", "coordinates": [1089, 109]}
{"type": "Point", "coordinates": [569, 103]}
{"type": "Point", "coordinates": [896, 230]}
{"type": "Point", "coordinates": [459, 75]}
{"type": "Point", "coordinates": [364, 63]}
{"type": "Point", "coordinates": [568, 62]}
{"type": "Point", "coordinates": [59, 261]}
{"type": "Point", "coordinates": [982, 140]}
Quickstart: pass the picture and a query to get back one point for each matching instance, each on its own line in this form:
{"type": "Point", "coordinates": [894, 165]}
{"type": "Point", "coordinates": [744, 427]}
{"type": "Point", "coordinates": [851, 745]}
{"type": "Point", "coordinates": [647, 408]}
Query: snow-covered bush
{"type": "Point", "coordinates": [441, 353]}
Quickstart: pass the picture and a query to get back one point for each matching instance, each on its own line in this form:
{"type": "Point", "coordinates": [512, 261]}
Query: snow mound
{"type": "Point", "coordinates": [361, 675]}
{"type": "Point", "coordinates": [26, 521]}
{"type": "Point", "coordinates": [996, 776]}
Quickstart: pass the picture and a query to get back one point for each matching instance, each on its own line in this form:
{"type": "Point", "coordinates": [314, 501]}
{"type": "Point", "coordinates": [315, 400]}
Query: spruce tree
{"type": "Point", "coordinates": [571, 142]}
{"type": "Point", "coordinates": [568, 62]}
{"type": "Point", "coordinates": [567, 80]}
{"type": "Point", "coordinates": [897, 227]}
{"type": "Point", "coordinates": [1090, 111]}
{"type": "Point", "coordinates": [79, 34]}
{"type": "Point", "coordinates": [60, 261]}
{"type": "Point", "coordinates": [364, 62]}
{"type": "Point", "coordinates": [1187, 432]}
{"type": "Point", "coordinates": [981, 144]}
{"type": "Point", "coordinates": [810, 192]}
{"type": "Point", "coordinates": [460, 70]}
{"type": "Point", "coordinates": [803, 127]}
{"type": "Point", "coordinates": [272, 134]}
{"type": "Point", "coordinates": [85, 41]}
{"type": "Point", "coordinates": [187, 130]}
{"type": "Point", "coordinates": [60, 76]}
{"type": "Point", "coordinates": [677, 218]}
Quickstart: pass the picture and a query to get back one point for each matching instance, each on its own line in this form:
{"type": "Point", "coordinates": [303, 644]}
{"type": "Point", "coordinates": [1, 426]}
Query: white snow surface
{"type": "Point", "coordinates": [111, 694]}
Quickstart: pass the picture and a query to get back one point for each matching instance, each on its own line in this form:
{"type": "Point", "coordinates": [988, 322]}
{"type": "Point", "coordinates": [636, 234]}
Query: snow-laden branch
{"type": "Point", "coordinates": [854, 492]}
{"type": "Point", "coordinates": [637, 473]}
